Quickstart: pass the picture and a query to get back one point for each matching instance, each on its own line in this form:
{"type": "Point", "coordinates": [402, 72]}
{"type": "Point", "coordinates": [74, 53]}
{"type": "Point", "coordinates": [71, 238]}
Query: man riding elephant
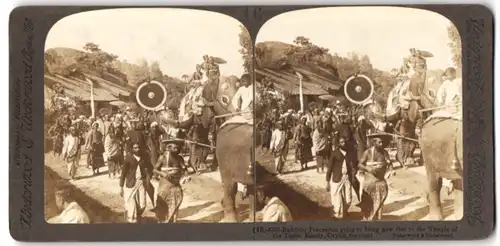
{"type": "Point", "coordinates": [449, 94]}
{"type": "Point", "coordinates": [243, 99]}
{"type": "Point", "coordinates": [417, 72]}
{"type": "Point", "coordinates": [441, 141]}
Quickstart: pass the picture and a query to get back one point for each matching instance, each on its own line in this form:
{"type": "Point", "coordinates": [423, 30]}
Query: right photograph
{"type": "Point", "coordinates": [359, 116]}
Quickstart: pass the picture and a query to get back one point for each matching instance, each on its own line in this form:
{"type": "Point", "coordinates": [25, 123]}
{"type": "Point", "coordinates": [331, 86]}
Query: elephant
{"type": "Point", "coordinates": [234, 152]}
{"type": "Point", "coordinates": [441, 146]}
{"type": "Point", "coordinates": [442, 153]}
{"type": "Point", "coordinates": [428, 82]}
{"type": "Point", "coordinates": [233, 141]}
{"type": "Point", "coordinates": [219, 91]}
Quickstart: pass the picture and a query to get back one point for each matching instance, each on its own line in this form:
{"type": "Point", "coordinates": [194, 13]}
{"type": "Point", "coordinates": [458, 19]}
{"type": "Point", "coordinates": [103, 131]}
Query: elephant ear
{"type": "Point", "coordinates": [432, 93]}
{"type": "Point", "coordinates": [227, 89]}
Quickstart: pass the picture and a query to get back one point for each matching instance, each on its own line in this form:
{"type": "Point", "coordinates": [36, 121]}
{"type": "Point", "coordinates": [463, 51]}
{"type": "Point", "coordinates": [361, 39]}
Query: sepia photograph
{"type": "Point", "coordinates": [359, 116]}
{"type": "Point", "coordinates": [148, 118]}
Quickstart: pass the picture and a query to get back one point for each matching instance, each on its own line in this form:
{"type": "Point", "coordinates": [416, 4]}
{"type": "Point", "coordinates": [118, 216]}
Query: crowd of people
{"type": "Point", "coordinates": [349, 147]}
{"type": "Point", "coordinates": [135, 149]}
{"type": "Point", "coordinates": [336, 142]}
{"type": "Point", "coordinates": [139, 145]}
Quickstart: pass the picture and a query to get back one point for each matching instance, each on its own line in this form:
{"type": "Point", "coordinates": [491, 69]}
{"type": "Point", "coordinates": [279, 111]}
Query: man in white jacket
{"type": "Point", "coordinates": [449, 93]}
{"type": "Point", "coordinates": [243, 99]}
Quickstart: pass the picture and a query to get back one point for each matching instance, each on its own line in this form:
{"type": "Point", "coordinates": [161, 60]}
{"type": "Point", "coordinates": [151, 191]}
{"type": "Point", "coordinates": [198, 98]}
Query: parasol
{"type": "Point", "coordinates": [421, 53]}
{"type": "Point", "coordinates": [425, 54]}
{"type": "Point", "coordinates": [218, 60]}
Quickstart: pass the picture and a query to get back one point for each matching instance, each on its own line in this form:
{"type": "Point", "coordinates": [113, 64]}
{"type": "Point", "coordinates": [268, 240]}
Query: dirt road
{"type": "Point", "coordinates": [304, 193]}
{"type": "Point", "coordinates": [99, 195]}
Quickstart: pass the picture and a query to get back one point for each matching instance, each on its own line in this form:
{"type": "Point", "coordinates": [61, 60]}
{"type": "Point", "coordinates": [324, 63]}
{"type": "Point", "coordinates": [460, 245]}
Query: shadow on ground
{"type": "Point", "coordinates": [420, 213]}
{"type": "Point", "coordinates": [97, 212]}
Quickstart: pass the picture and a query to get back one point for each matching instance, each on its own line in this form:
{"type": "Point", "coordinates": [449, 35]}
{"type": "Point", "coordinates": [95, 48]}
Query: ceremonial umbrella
{"type": "Point", "coordinates": [425, 54]}
{"type": "Point", "coordinates": [218, 60]}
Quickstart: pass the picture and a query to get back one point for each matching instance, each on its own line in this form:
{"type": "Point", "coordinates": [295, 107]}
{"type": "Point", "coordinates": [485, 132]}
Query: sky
{"type": "Point", "coordinates": [176, 38]}
{"type": "Point", "coordinates": [385, 34]}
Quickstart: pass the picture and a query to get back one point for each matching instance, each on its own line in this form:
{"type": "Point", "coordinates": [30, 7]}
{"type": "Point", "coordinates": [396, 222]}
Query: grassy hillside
{"type": "Point", "coordinates": [279, 55]}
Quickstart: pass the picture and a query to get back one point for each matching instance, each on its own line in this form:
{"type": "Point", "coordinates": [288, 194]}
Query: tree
{"type": "Point", "coordinates": [455, 44]}
{"type": "Point", "coordinates": [91, 47]}
{"type": "Point", "coordinates": [354, 57]}
{"type": "Point", "coordinates": [49, 60]}
{"type": "Point", "coordinates": [96, 59]}
{"type": "Point", "coordinates": [365, 66]}
{"type": "Point", "coordinates": [305, 51]}
{"type": "Point", "coordinates": [246, 50]}
{"type": "Point", "coordinates": [155, 70]}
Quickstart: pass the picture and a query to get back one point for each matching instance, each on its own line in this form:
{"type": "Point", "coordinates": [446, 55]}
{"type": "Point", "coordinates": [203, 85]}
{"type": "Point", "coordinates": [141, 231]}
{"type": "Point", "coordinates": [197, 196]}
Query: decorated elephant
{"type": "Point", "coordinates": [440, 144]}
{"type": "Point", "coordinates": [234, 152]}
{"type": "Point", "coordinates": [442, 152]}
{"type": "Point", "coordinates": [233, 141]}
{"type": "Point", "coordinates": [197, 112]}
{"type": "Point", "coordinates": [399, 99]}
{"type": "Point", "coordinates": [440, 141]}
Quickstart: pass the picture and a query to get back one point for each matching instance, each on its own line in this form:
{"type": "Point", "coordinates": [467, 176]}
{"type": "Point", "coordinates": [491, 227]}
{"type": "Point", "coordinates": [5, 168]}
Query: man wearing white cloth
{"type": "Point", "coordinates": [450, 92]}
{"type": "Point", "coordinates": [279, 146]}
{"type": "Point", "coordinates": [71, 212]}
{"type": "Point", "coordinates": [243, 99]}
{"type": "Point", "coordinates": [273, 209]}
{"type": "Point", "coordinates": [338, 179]}
{"type": "Point", "coordinates": [134, 175]}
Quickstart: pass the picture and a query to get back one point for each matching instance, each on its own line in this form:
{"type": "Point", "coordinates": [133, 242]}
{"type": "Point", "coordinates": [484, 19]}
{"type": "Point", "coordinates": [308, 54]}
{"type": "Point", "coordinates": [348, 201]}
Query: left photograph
{"type": "Point", "coordinates": [148, 118]}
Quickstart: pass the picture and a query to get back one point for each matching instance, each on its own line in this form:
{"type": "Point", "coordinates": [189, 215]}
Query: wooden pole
{"type": "Point", "coordinates": [301, 95]}
{"type": "Point", "coordinates": [440, 107]}
{"type": "Point", "coordinates": [231, 114]}
{"type": "Point", "coordinates": [399, 136]}
{"type": "Point", "coordinates": [92, 107]}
